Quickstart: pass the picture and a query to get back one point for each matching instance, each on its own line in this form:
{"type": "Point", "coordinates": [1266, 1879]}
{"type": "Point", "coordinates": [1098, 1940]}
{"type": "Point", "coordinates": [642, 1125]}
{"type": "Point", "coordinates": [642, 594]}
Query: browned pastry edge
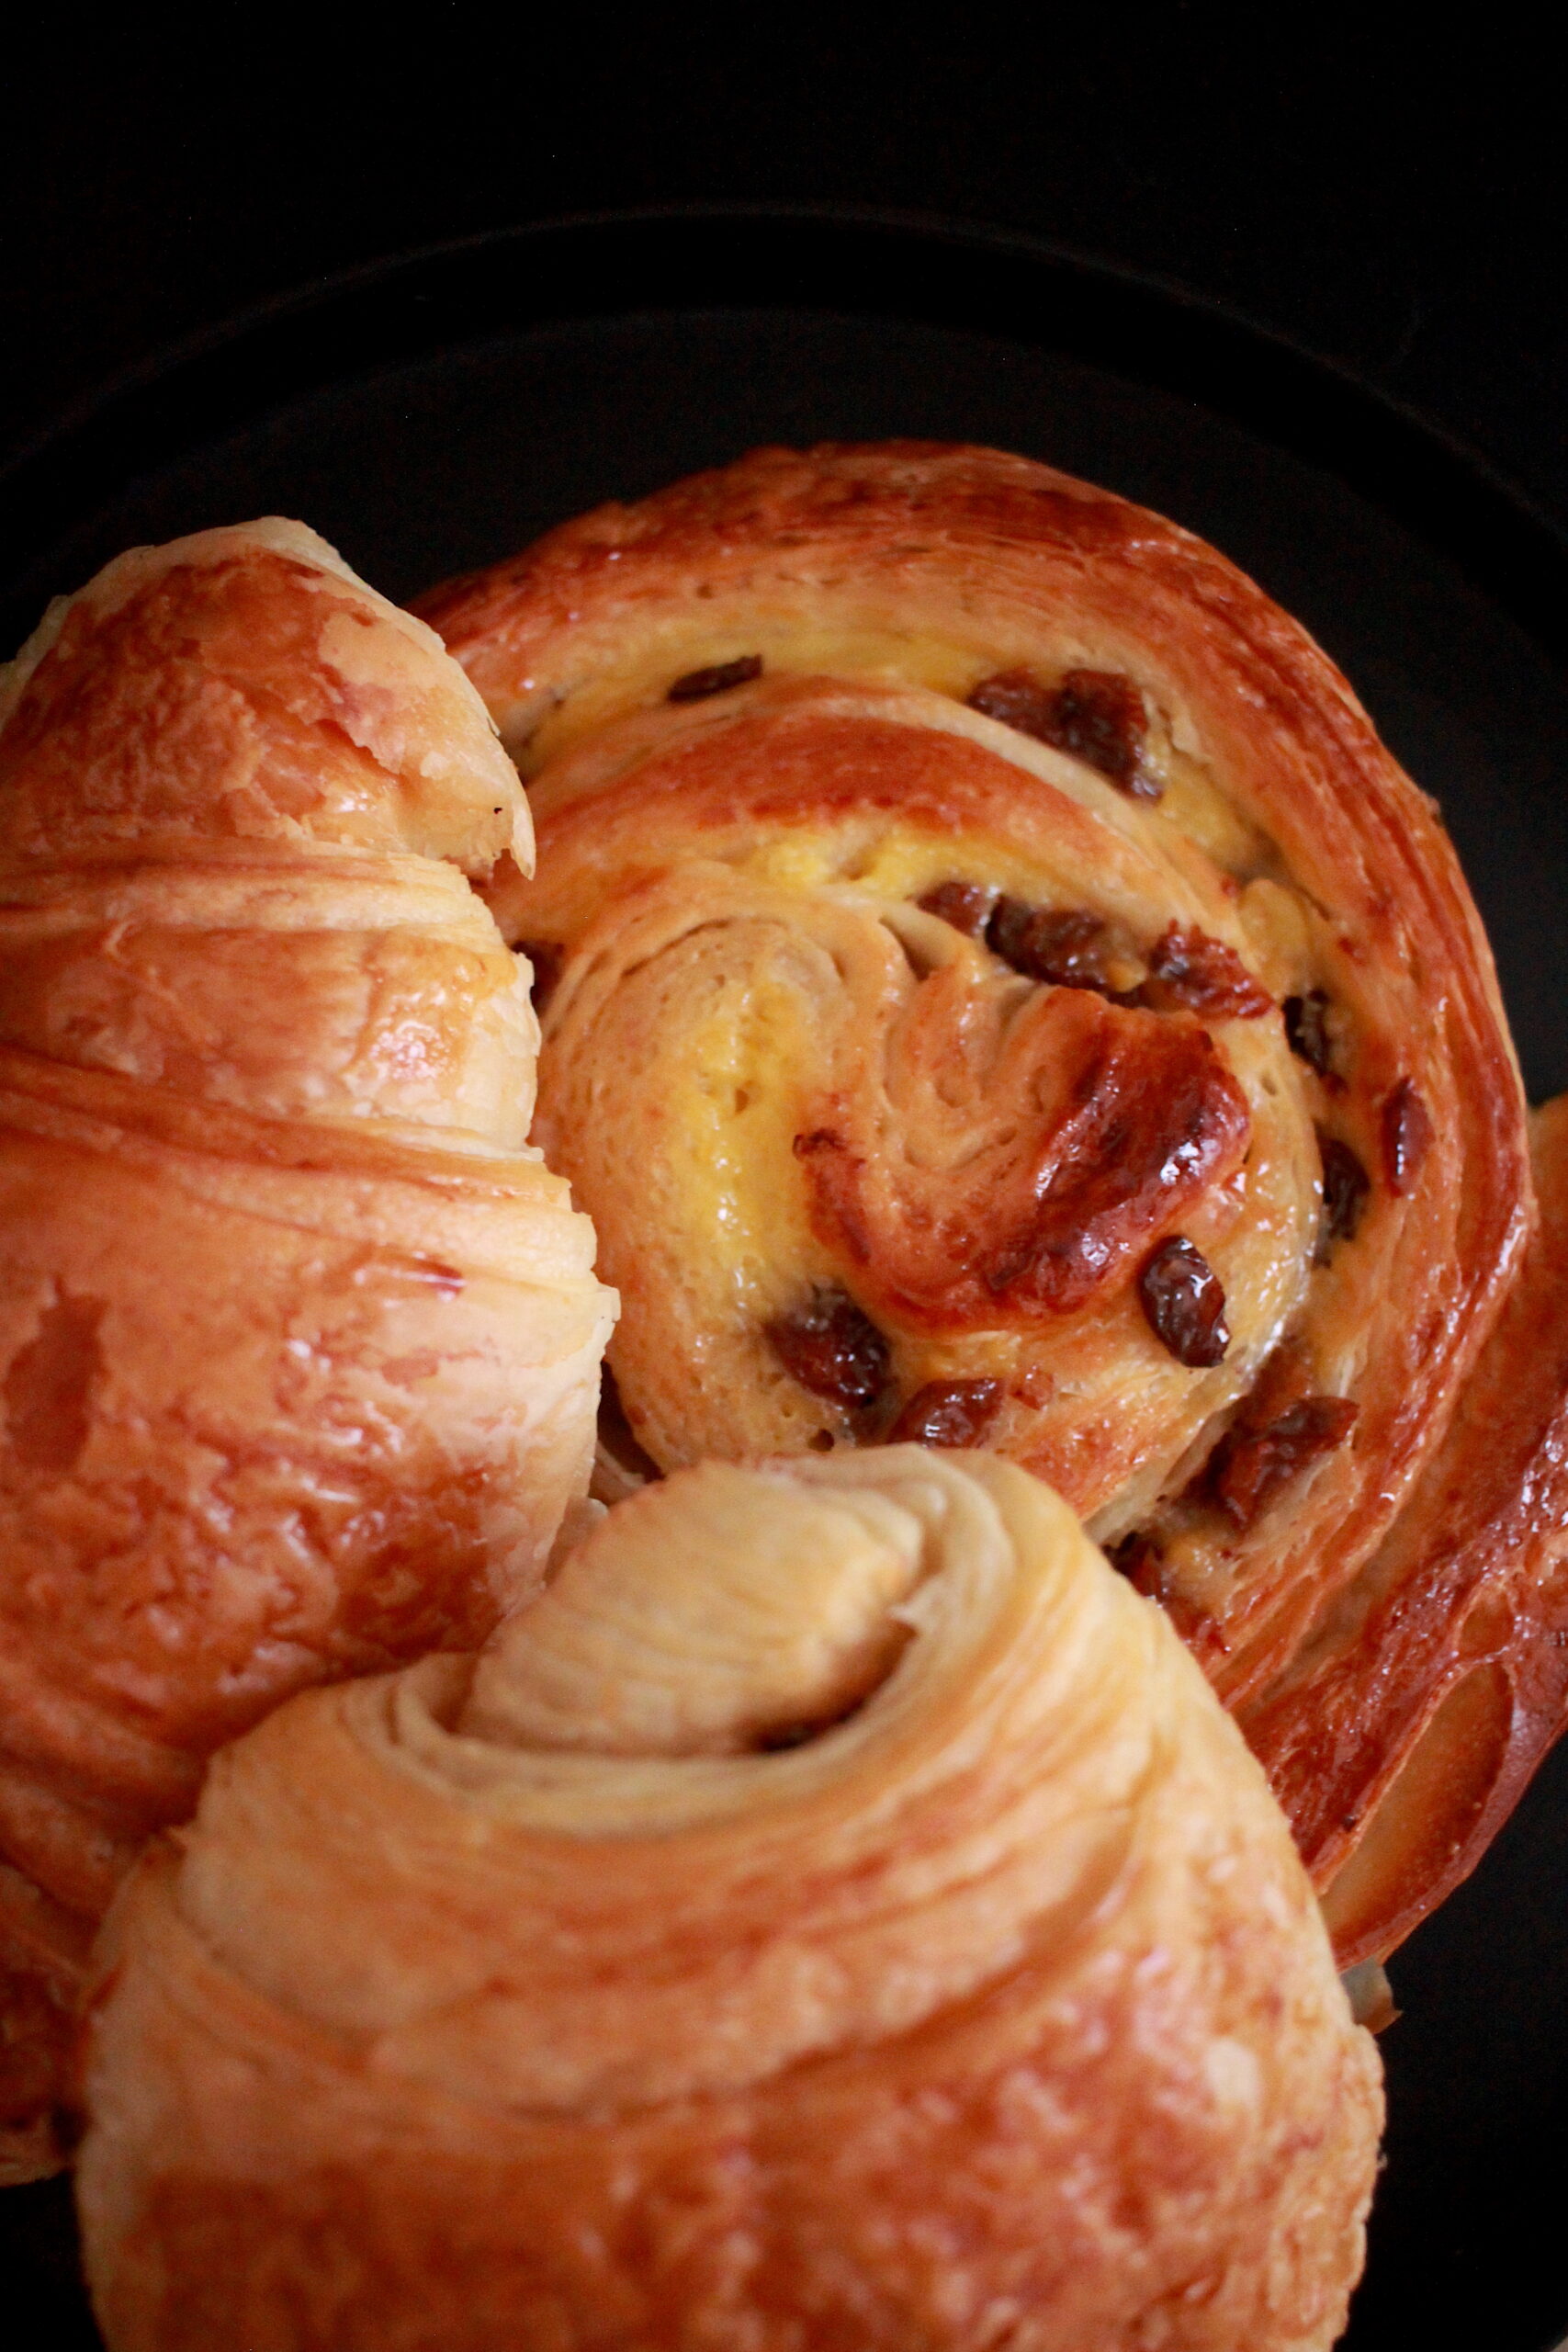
{"type": "Point", "coordinates": [1460, 1619]}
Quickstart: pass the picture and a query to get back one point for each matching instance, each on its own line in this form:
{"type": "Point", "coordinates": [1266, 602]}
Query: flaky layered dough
{"type": "Point", "coordinates": [1001, 991]}
{"type": "Point", "coordinates": [299, 1339]}
{"type": "Point", "coordinates": [836, 1916]}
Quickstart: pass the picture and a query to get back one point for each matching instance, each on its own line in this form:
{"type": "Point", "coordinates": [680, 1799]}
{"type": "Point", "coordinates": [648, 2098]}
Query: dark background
{"type": "Point", "coordinates": [1390, 199]}
{"type": "Point", "coordinates": [1388, 194]}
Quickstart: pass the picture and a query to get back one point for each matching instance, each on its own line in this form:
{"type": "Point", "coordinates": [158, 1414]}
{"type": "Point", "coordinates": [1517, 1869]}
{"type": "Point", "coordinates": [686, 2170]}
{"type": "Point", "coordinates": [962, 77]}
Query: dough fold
{"type": "Point", "coordinates": [298, 1338]}
{"type": "Point", "coordinates": [836, 1915]}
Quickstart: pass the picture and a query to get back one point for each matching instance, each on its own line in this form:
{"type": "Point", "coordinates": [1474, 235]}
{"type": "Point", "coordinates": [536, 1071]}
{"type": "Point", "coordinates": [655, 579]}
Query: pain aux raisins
{"type": "Point", "coordinates": [696, 685]}
{"type": "Point", "coordinates": [832, 1349]}
{"type": "Point", "coordinates": [1097, 715]}
{"type": "Point", "coordinates": [1185, 1302]}
{"type": "Point", "coordinates": [948, 1412]}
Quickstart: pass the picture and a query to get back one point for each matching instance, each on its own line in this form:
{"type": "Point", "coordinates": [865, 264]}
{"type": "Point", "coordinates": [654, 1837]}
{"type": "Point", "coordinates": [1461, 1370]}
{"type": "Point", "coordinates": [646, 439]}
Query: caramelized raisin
{"type": "Point", "coordinates": [546, 960]}
{"type": "Point", "coordinates": [1100, 719]}
{"type": "Point", "coordinates": [1064, 944]}
{"type": "Point", "coordinates": [1252, 1464]}
{"type": "Point", "coordinates": [1098, 716]}
{"type": "Point", "coordinates": [1014, 698]}
{"type": "Point", "coordinates": [1346, 1184]}
{"type": "Point", "coordinates": [1188, 970]}
{"type": "Point", "coordinates": [1306, 1029]}
{"type": "Point", "coordinates": [1185, 1303]}
{"type": "Point", "coordinates": [832, 1349]}
{"type": "Point", "coordinates": [965, 905]}
{"type": "Point", "coordinates": [696, 685]}
{"type": "Point", "coordinates": [948, 1412]}
{"type": "Point", "coordinates": [1406, 1135]}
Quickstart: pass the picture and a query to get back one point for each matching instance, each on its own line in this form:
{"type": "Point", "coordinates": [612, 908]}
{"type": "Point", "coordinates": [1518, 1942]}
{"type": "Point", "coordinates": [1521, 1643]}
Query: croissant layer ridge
{"type": "Point", "coordinates": [836, 1915]}
{"type": "Point", "coordinates": [298, 1338]}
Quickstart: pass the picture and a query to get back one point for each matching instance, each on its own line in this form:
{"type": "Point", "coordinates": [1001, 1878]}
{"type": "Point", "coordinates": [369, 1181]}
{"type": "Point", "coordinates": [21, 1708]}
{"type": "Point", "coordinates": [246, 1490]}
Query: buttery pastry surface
{"type": "Point", "coordinates": [299, 1338]}
{"type": "Point", "coordinates": [997, 989]}
{"type": "Point", "coordinates": [836, 1915]}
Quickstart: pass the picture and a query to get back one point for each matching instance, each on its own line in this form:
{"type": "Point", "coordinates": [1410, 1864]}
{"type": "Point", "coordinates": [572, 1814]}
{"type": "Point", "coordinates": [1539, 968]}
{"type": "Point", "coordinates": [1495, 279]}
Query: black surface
{"type": "Point", "coordinates": [432, 418]}
{"type": "Point", "coordinates": [1386, 187]}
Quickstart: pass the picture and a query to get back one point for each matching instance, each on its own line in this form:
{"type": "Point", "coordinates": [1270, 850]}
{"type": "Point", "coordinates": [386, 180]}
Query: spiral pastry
{"type": "Point", "coordinates": [836, 1916]}
{"type": "Point", "coordinates": [999, 992]}
{"type": "Point", "coordinates": [299, 1340]}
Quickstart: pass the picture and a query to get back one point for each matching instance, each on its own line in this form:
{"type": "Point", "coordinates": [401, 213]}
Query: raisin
{"type": "Point", "coordinates": [1346, 1184]}
{"type": "Point", "coordinates": [698, 685]}
{"type": "Point", "coordinates": [1065, 944]}
{"type": "Point", "coordinates": [1098, 716]}
{"type": "Point", "coordinates": [546, 960]}
{"type": "Point", "coordinates": [1306, 1030]}
{"type": "Point", "coordinates": [1406, 1135]}
{"type": "Point", "coordinates": [1252, 1464]}
{"type": "Point", "coordinates": [1188, 968]}
{"type": "Point", "coordinates": [965, 905]}
{"type": "Point", "coordinates": [948, 1412]}
{"type": "Point", "coordinates": [1015, 699]}
{"type": "Point", "coordinates": [1185, 1303]}
{"type": "Point", "coordinates": [832, 1349]}
{"type": "Point", "coordinates": [1100, 719]}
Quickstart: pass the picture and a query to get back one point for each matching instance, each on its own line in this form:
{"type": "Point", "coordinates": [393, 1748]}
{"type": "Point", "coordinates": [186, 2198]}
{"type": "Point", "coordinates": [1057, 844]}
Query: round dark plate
{"type": "Point", "coordinates": [437, 412]}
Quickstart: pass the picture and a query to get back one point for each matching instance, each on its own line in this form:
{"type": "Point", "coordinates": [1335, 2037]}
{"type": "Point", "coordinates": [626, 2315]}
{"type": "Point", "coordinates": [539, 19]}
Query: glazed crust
{"type": "Point", "coordinates": [991, 1997]}
{"type": "Point", "coordinates": [768, 718]}
{"type": "Point", "coordinates": [299, 1342]}
{"type": "Point", "coordinates": [1465, 1606]}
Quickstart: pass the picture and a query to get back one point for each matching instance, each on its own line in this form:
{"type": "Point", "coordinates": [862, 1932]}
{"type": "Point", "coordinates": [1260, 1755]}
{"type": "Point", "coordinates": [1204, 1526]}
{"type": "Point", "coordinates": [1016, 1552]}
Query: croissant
{"type": "Point", "coordinates": [838, 1915]}
{"type": "Point", "coordinates": [999, 992]}
{"type": "Point", "coordinates": [299, 1340]}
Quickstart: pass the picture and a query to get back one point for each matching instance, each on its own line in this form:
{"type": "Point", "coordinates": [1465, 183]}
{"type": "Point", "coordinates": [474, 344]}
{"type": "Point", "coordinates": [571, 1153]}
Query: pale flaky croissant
{"type": "Point", "coordinates": [299, 1340]}
{"type": "Point", "coordinates": [1000, 991]}
{"type": "Point", "coordinates": [837, 1914]}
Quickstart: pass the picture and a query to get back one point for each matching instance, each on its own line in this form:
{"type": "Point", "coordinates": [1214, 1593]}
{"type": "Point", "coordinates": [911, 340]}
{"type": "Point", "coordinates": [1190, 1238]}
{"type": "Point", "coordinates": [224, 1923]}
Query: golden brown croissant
{"type": "Point", "coordinates": [1003, 993]}
{"type": "Point", "coordinates": [837, 1914]}
{"type": "Point", "coordinates": [299, 1342]}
